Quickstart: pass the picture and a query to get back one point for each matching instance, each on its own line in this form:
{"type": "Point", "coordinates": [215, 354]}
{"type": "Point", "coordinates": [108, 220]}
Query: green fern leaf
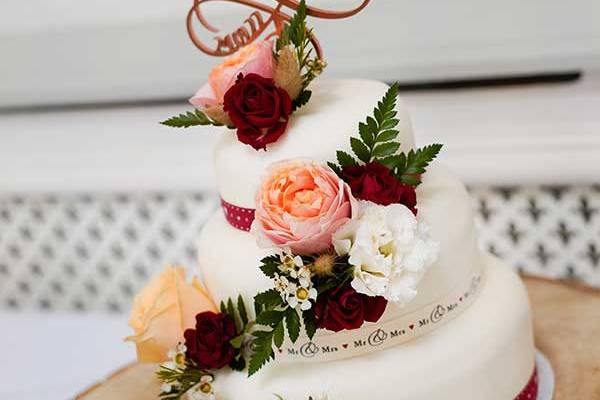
{"type": "Point", "coordinates": [385, 149]}
{"type": "Point", "coordinates": [360, 149]}
{"type": "Point", "coordinates": [345, 159]}
{"type": "Point", "coordinates": [190, 118]}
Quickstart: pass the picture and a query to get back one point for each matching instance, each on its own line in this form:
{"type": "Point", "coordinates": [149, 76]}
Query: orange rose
{"type": "Point", "coordinates": [300, 205]}
{"type": "Point", "coordinates": [163, 310]}
{"type": "Point", "coordinates": [254, 58]}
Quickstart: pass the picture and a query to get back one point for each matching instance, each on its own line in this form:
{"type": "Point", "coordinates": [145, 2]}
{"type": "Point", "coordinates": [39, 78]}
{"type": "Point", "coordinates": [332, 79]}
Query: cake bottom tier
{"type": "Point", "coordinates": [487, 352]}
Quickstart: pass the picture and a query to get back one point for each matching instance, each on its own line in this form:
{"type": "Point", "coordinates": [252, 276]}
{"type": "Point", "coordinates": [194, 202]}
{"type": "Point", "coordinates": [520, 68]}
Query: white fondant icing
{"type": "Point", "coordinates": [316, 130]}
{"type": "Point", "coordinates": [484, 353]}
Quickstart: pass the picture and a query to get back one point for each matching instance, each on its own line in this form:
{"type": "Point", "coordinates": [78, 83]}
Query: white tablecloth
{"type": "Point", "coordinates": [55, 356]}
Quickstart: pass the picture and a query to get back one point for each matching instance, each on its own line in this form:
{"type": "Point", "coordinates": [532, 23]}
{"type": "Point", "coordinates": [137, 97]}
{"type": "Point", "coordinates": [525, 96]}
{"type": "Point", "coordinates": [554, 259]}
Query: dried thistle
{"type": "Point", "coordinates": [216, 113]}
{"type": "Point", "coordinates": [323, 265]}
{"type": "Point", "coordinates": [287, 73]}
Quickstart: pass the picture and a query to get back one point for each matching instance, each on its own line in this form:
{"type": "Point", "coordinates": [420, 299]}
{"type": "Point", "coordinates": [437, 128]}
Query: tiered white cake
{"type": "Point", "coordinates": [486, 352]}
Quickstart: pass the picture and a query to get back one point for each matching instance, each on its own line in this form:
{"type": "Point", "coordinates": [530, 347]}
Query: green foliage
{"type": "Point", "coordinates": [187, 379]}
{"type": "Point", "coordinates": [295, 31]}
{"type": "Point", "coordinates": [302, 99]}
{"type": "Point", "coordinates": [310, 323]}
{"type": "Point", "coordinates": [262, 347]}
{"type": "Point", "coordinates": [376, 133]}
{"type": "Point", "coordinates": [377, 142]}
{"type": "Point", "coordinates": [292, 321]}
{"type": "Point", "coordinates": [268, 299]}
{"type": "Point", "coordinates": [270, 265]}
{"type": "Point", "coordinates": [190, 118]}
{"type": "Point", "coordinates": [409, 167]}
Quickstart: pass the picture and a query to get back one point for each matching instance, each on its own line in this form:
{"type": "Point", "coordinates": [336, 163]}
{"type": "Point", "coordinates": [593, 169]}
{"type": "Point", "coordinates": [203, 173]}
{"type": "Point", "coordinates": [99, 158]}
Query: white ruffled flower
{"type": "Point", "coordinates": [390, 250]}
{"type": "Point", "coordinates": [203, 390]}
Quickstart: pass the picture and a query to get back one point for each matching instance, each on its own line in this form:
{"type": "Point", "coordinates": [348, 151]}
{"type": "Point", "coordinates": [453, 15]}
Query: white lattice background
{"type": "Point", "coordinates": [94, 251]}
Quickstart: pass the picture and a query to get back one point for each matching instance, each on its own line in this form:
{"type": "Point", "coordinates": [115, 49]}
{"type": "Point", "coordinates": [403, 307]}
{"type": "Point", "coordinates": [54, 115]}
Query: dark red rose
{"type": "Point", "coordinates": [375, 182]}
{"type": "Point", "coordinates": [208, 344]}
{"type": "Point", "coordinates": [258, 109]}
{"type": "Point", "coordinates": [345, 308]}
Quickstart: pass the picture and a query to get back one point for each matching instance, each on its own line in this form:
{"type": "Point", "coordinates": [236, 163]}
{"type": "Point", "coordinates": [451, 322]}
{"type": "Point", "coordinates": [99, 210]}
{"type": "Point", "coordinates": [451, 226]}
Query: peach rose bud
{"type": "Point", "coordinates": [256, 57]}
{"type": "Point", "coordinates": [300, 205]}
{"type": "Point", "coordinates": [163, 310]}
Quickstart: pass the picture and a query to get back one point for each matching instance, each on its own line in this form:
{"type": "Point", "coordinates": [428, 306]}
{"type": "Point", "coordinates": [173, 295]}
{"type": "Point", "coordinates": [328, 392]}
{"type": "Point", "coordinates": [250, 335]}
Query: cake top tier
{"type": "Point", "coordinates": [315, 131]}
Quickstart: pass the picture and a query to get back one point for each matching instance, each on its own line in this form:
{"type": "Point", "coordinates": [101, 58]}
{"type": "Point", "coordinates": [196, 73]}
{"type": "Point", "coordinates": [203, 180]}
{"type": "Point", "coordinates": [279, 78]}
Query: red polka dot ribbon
{"type": "Point", "coordinates": [531, 390]}
{"type": "Point", "coordinates": [238, 217]}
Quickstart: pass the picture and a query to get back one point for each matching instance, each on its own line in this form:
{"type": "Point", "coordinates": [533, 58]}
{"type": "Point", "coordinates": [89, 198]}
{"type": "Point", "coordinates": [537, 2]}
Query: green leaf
{"type": "Point", "coordinates": [301, 100]}
{"type": "Point", "coordinates": [416, 163]}
{"type": "Point", "coordinates": [190, 118]}
{"type": "Point", "coordinates": [269, 317]}
{"type": "Point", "coordinates": [234, 315]}
{"type": "Point", "coordinates": [310, 323]}
{"type": "Point", "coordinates": [345, 159]}
{"type": "Point", "coordinates": [412, 180]}
{"type": "Point", "coordinates": [270, 266]}
{"type": "Point", "coordinates": [294, 32]}
{"type": "Point", "coordinates": [360, 149]}
{"type": "Point", "coordinates": [292, 321]}
{"type": "Point", "coordinates": [278, 334]}
{"type": "Point", "coordinates": [223, 307]}
{"type": "Point", "coordinates": [385, 149]}
{"type": "Point", "coordinates": [365, 134]}
{"type": "Point", "coordinates": [392, 162]}
{"type": "Point", "coordinates": [389, 124]}
{"type": "Point", "coordinates": [238, 363]}
{"type": "Point", "coordinates": [373, 126]}
{"type": "Point", "coordinates": [335, 168]}
{"type": "Point", "coordinates": [378, 114]}
{"type": "Point", "coordinates": [270, 298]}
{"type": "Point", "coordinates": [262, 346]}
{"type": "Point", "coordinates": [242, 310]}
{"type": "Point", "coordinates": [388, 135]}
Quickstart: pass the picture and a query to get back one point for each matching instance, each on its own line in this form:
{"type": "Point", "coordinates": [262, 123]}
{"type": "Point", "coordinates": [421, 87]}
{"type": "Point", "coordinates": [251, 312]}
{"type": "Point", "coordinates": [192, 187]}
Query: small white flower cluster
{"type": "Point", "coordinates": [204, 390]}
{"type": "Point", "coordinates": [389, 249]}
{"type": "Point", "coordinates": [294, 283]}
{"type": "Point", "coordinates": [176, 362]}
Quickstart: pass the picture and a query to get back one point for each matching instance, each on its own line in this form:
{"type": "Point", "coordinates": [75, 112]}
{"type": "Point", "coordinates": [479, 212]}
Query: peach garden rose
{"type": "Point", "coordinates": [256, 57]}
{"type": "Point", "coordinates": [163, 310]}
{"type": "Point", "coordinates": [300, 205]}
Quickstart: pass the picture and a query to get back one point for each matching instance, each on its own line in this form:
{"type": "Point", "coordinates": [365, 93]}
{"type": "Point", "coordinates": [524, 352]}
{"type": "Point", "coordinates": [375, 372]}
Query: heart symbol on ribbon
{"type": "Point", "coordinates": [345, 345]}
{"type": "Point", "coordinates": [411, 326]}
{"type": "Point", "coordinates": [280, 350]}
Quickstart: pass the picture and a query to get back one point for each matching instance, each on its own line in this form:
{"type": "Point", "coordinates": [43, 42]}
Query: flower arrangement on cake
{"type": "Point", "coordinates": [344, 239]}
{"type": "Point", "coordinates": [256, 89]}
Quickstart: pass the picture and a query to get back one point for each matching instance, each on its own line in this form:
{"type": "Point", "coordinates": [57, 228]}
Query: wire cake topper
{"type": "Point", "coordinates": [256, 24]}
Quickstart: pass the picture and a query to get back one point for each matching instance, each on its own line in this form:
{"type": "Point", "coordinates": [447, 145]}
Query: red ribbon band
{"type": "Point", "coordinates": [238, 217]}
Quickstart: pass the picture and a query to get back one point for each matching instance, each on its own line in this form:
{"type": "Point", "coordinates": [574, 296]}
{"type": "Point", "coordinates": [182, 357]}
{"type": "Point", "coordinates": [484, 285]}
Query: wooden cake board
{"type": "Point", "coordinates": [566, 319]}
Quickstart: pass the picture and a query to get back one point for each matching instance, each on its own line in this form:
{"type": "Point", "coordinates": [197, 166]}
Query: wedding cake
{"type": "Point", "coordinates": [344, 258]}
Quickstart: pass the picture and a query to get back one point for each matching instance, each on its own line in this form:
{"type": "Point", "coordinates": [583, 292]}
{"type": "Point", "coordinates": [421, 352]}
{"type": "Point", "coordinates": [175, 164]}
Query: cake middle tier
{"type": "Point", "coordinates": [229, 258]}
